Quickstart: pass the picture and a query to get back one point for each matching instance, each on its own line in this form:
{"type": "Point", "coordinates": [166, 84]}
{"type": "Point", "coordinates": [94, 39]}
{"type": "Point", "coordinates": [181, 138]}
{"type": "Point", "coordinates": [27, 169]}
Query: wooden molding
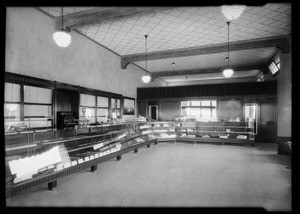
{"type": "Point", "coordinates": [102, 14]}
{"type": "Point", "coordinates": [241, 68]}
{"type": "Point", "coordinates": [278, 41]}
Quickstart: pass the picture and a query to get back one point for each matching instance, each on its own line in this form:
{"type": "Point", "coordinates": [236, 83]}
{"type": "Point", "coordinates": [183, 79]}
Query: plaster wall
{"type": "Point", "coordinates": [30, 50]}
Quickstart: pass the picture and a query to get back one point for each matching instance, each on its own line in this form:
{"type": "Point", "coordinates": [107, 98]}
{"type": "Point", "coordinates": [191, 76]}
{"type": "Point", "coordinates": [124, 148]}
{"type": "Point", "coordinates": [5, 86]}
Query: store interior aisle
{"type": "Point", "coordinates": [176, 174]}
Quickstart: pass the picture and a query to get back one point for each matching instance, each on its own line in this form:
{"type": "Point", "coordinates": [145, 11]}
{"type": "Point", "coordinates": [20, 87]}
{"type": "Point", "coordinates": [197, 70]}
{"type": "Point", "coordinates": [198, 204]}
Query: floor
{"type": "Point", "coordinates": [176, 174]}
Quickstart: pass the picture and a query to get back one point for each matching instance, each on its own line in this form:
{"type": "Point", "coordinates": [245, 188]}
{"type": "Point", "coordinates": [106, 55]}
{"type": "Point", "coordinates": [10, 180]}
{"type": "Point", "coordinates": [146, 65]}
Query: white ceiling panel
{"type": "Point", "coordinates": [174, 28]}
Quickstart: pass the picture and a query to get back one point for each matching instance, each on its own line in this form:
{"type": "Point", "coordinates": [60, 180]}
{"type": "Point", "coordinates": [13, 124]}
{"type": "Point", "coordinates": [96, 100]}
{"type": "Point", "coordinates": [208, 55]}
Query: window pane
{"type": "Point", "coordinates": [37, 110]}
{"type": "Point", "coordinates": [9, 124]}
{"type": "Point", "coordinates": [102, 112]}
{"type": "Point", "coordinates": [205, 103]}
{"type": "Point", "coordinates": [113, 103]}
{"type": "Point", "coordinates": [37, 122]}
{"type": "Point", "coordinates": [250, 111]}
{"type": "Point", "coordinates": [12, 92]}
{"type": "Point", "coordinates": [185, 112]}
{"type": "Point", "coordinates": [37, 95]}
{"type": "Point", "coordinates": [12, 111]}
{"type": "Point", "coordinates": [205, 112]}
{"type": "Point", "coordinates": [90, 114]}
{"type": "Point", "coordinates": [185, 103]}
{"type": "Point", "coordinates": [214, 103]}
{"type": "Point", "coordinates": [214, 113]}
{"type": "Point", "coordinates": [195, 112]}
{"type": "Point", "coordinates": [118, 103]}
{"type": "Point", "coordinates": [195, 103]}
{"type": "Point", "coordinates": [87, 100]}
{"type": "Point", "coordinates": [102, 101]}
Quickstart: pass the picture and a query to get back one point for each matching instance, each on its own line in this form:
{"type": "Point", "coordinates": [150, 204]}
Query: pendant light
{"type": "Point", "coordinates": [61, 37]}
{"type": "Point", "coordinates": [146, 78]}
{"type": "Point", "coordinates": [228, 71]}
{"type": "Point", "coordinates": [232, 11]}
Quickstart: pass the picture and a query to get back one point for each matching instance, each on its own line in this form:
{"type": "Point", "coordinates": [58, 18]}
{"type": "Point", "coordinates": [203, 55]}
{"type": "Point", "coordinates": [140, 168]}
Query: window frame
{"type": "Point", "coordinates": [23, 103]}
{"type": "Point", "coordinates": [200, 107]}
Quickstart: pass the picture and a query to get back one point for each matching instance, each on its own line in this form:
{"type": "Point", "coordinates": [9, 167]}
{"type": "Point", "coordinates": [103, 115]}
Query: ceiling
{"type": "Point", "coordinates": [184, 43]}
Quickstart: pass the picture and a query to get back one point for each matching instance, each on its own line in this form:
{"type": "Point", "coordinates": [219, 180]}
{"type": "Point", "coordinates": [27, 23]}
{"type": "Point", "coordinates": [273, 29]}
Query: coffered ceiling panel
{"type": "Point", "coordinates": [123, 30]}
{"type": "Point", "coordinates": [188, 27]}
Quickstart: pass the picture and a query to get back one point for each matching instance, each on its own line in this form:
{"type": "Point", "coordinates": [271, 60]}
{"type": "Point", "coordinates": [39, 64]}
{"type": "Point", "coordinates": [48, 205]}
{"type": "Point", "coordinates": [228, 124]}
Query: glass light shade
{"type": "Point", "coordinates": [232, 11]}
{"type": "Point", "coordinates": [146, 78]}
{"type": "Point", "coordinates": [228, 72]}
{"type": "Point", "coordinates": [62, 38]}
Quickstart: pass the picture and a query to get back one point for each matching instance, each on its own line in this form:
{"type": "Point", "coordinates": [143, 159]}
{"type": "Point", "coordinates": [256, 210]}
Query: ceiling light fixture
{"type": "Point", "coordinates": [146, 78]}
{"type": "Point", "coordinates": [61, 37]}
{"type": "Point", "coordinates": [228, 72]}
{"type": "Point", "coordinates": [232, 11]}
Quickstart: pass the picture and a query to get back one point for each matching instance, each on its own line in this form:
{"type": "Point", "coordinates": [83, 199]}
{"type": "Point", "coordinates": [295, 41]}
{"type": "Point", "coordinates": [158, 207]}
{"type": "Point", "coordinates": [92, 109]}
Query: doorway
{"type": "Point", "coordinates": [153, 112]}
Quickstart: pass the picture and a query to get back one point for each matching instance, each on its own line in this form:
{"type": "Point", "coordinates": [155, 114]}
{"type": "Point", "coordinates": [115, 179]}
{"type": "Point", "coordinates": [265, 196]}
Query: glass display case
{"type": "Point", "coordinates": [41, 156]}
{"type": "Point", "coordinates": [224, 130]}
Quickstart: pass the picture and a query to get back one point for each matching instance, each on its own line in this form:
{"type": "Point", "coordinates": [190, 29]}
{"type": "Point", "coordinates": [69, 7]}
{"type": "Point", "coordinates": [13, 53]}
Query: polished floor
{"type": "Point", "coordinates": [176, 174]}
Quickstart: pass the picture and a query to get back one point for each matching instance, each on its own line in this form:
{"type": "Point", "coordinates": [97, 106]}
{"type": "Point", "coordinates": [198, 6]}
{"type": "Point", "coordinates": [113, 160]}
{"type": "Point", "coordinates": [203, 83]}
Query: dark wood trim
{"type": "Point", "coordinates": [27, 80]}
{"type": "Point", "coordinates": [276, 41]}
{"type": "Point", "coordinates": [241, 68]}
{"type": "Point", "coordinates": [268, 88]}
{"type": "Point", "coordinates": [41, 104]}
{"type": "Point", "coordinates": [103, 14]}
{"type": "Point", "coordinates": [22, 102]}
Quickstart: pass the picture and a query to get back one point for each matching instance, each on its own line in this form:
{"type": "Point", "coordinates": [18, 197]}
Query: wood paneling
{"type": "Point", "coordinates": [267, 127]}
{"type": "Point", "coordinates": [230, 108]}
{"type": "Point", "coordinates": [142, 109]}
{"type": "Point", "coordinates": [168, 110]}
{"type": "Point", "coordinates": [213, 90]}
{"type": "Point", "coordinates": [67, 101]}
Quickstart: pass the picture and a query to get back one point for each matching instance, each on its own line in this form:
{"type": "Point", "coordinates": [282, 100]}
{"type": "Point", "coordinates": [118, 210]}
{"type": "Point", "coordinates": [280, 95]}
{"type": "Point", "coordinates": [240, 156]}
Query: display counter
{"type": "Point", "coordinates": [37, 157]}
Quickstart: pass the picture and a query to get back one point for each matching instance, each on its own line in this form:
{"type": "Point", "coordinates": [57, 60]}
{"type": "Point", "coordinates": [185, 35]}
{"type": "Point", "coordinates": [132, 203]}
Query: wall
{"type": "Point", "coordinates": [30, 50]}
{"type": "Point", "coordinates": [168, 110]}
{"type": "Point", "coordinates": [230, 108]}
{"type": "Point", "coordinates": [284, 101]}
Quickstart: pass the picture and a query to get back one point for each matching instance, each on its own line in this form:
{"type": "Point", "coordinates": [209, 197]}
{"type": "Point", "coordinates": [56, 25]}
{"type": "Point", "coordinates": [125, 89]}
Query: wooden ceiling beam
{"type": "Point", "coordinates": [102, 14]}
{"type": "Point", "coordinates": [261, 67]}
{"type": "Point", "coordinates": [278, 42]}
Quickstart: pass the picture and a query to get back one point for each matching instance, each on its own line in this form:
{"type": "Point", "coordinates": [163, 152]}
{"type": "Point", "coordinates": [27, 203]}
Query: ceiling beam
{"type": "Point", "coordinates": [261, 67]}
{"type": "Point", "coordinates": [102, 14]}
{"type": "Point", "coordinates": [281, 42]}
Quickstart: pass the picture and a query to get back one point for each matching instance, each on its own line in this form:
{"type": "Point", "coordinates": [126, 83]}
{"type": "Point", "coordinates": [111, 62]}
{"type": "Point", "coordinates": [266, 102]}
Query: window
{"type": "Point", "coordinates": [87, 107]}
{"type": "Point", "coordinates": [32, 109]}
{"type": "Point", "coordinates": [37, 106]}
{"type": "Point", "coordinates": [200, 109]}
{"type": "Point", "coordinates": [102, 109]}
{"type": "Point", "coordinates": [274, 67]}
{"type": "Point", "coordinates": [115, 108]}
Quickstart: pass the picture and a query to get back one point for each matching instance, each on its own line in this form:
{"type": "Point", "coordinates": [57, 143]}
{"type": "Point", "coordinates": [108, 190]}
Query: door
{"type": "Point", "coordinates": [153, 112]}
{"type": "Point", "coordinates": [268, 122]}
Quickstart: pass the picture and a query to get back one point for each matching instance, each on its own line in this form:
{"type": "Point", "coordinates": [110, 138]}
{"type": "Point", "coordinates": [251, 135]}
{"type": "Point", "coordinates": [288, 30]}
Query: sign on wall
{"type": "Point", "coordinates": [128, 106]}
